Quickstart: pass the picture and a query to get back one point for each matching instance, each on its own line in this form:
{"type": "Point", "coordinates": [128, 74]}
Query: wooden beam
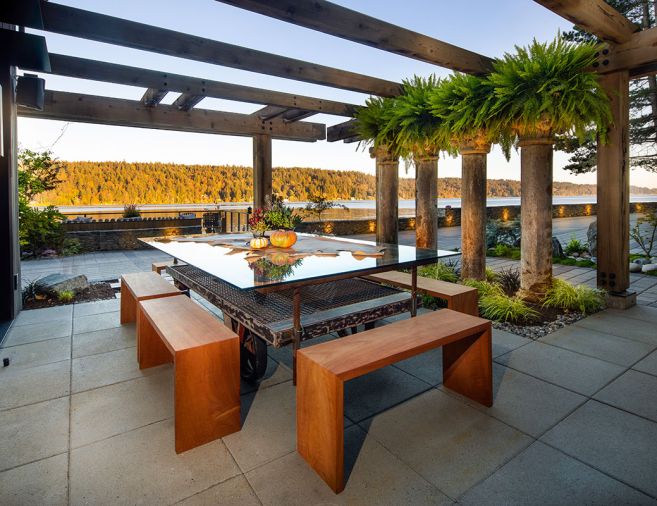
{"type": "Point", "coordinates": [341, 131]}
{"type": "Point", "coordinates": [296, 115]}
{"type": "Point", "coordinates": [348, 24]}
{"type": "Point", "coordinates": [594, 16]}
{"type": "Point", "coordinates": [269, 112]}
{"type": "Point", "coordinates": [614, 190]}
{"type": "Point", "coordinates": [262, 170]}
{"type": "Point", "coordinates": [63, 106]}
{"type": "Point", "coordinates": [639, 53]}
{"type": "Point", "coordinates": [187, 101]}
{"type": "Point", "coordinates": [99, 27]}
{"type": "Point", "coordinates": [153, 96]}
{"type": "Point", "coordinates": [81, 68]}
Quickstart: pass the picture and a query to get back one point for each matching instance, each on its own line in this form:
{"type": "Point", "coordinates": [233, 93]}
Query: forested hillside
{"type": "Point", "coordinates": [92, 183]}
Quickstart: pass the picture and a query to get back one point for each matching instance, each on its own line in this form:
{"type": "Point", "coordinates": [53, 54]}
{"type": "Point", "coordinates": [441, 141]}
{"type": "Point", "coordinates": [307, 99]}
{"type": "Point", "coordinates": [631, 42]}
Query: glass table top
{"type": "Point", "coordinates": [312, 258]}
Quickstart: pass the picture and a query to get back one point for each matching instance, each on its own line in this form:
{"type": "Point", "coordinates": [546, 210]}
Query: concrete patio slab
{"type": "Point", "coordinates": [377, 477]}
{"type": "Point", "coordinates": [615, 442]}
{"type": "Point", "coordinates": [629, 328]}
{"type": "Point", "coordinates": [530, 477]}
{"type": "Point", "coordinates": [33, 432]}
{"type": "Point", "coordinates": [103, 369]}
{"type": "Point", "coordinates": [526, 403]}
{"type": "Point", "coordinates": [427, 367]}
{"type": "Point", "coordinates": [32, 333]}
{"type": "Point", "coordinates": [580, 373]}
{"type": "Point", "coordinates": [91, 323]}
{"type": "Point", "coordinates": [104, 412]}
{"type": "Point", "coordinates": [232, 492]}
{"type": "Point", "coordinates": [504, 342]}
{"type": "Point", "coordinates": [379, 390]}
{"type": "Point", "coordinates": [24, 386]}
{"type": "Point", "coordinates": [141, 466]}
{"type": "Point", "coordinates": [594, 343]}
{"type": "Point", "coordinates": [459, 445]}
{"type": "Point", "coordinates": [634, 391]}
{"type": "Point", "coordinates": [51, 314]}
{"type": "Point", "coordinates": [268, 427]}
{"type": "Point", "coordinates": [39, 353]}
{"type": "Point", "coordinates": [648, 314]}
{"type": "Point", "coordinates": [98, 307]}
{"type": "Point", "coordinates": [41, 482]}
{"type": "Point", "coordinates": [648, 364]}
{"type": "Point", "coordinates": [102, 341]}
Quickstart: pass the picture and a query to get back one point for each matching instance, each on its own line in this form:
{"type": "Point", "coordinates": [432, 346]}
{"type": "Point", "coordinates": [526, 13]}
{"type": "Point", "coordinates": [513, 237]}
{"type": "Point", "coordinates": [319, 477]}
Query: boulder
{"type": "Point", "coordinates": [63, 282]}
{"type": "Point", "coordinates": [641, 261]}
{"type": "Point", "coordinates": [649, 268]}
{"type": "Point", "coordinates": [592, 238]}
{"type": "Point", "coordinates": [557, 249]}
{"type": "Point", "coordinates": [634, 267]}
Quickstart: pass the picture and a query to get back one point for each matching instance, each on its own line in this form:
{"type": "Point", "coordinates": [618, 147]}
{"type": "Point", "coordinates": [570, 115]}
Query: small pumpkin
{"type": "Point", "coordinates": [259, 243]}
{"type": "Point", "coordinates": [279, 259]}
{"type": "Point", "coordinates": [283, 238]}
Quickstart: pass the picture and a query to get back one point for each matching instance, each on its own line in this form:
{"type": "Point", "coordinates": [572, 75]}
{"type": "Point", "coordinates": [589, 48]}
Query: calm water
{"type": "Point", "coordinates": [356, 208]}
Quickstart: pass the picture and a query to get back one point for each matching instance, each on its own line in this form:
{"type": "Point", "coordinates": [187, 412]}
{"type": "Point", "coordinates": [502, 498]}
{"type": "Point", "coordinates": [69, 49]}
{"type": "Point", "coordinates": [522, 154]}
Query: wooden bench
{"type": "Point", "coordinates": [322, 370]}
{"type": "Point", "coordinates": [158, 267]}
{"type": "Point", "coordinates": [459, 297]}
{"type": "Point", "coordinates": [139, 286]}
{"type": "Point", "coordinates": [206, 360]}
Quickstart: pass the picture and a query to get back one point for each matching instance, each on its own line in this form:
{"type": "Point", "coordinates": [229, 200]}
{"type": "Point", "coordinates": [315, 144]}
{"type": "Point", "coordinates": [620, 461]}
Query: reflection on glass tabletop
{"type": "Point", "coordinates": [311, 258]}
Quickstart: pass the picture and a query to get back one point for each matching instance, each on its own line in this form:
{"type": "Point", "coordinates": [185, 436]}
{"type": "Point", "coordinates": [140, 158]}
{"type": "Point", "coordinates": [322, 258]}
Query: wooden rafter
{"type": "Point", "coordinates": [187, 101]}
{"type": "Point", "coordinates": [64, 106]}
{"type": "Point", "coordinates": [297, 115]}
{"type": "Point", "coordinates": [348, 24]}
{"type": "Point", "coordinates": [153, 96]}
{"type": "Point", "coordinates": [99, 27]}
{"type": "Point", "coordinates": [270, 112]}
{"type": "Point", "coordinates": [71, 66]}
{"type": "Point", "coordinates": [594, 16]}
{"type": "Point", "coordinates": [342, 132]}
{"type": "Point", "coordinates": [638, 55]}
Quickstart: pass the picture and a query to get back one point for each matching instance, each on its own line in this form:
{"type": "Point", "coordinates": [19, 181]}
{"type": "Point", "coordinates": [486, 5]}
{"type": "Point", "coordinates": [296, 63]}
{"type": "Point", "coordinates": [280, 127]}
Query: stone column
{"type": "Point", "coordinates": [473, 211]}
{"type": "Point", "coordinates": [387, 195]}
{"type": "Point", "coordinates": [426, 210]}
{"type": "Point", "coordinates": [536, 217]}
{"type": "Point", "coordinates": [614, 197]}
{"type": "Point", "coordinates": [262, 172]}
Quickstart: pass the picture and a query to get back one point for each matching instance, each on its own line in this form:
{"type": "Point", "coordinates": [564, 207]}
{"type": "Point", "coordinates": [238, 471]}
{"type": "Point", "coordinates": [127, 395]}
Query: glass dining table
{"type": "Point", "coordinates": [286, 296]}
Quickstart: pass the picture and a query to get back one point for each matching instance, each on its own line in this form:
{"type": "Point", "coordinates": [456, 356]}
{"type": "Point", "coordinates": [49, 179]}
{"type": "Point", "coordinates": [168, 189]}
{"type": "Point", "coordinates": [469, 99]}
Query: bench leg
{"type": "Point", "coordinates": [465, 303]}
{"type": "Point", "coordinates": [151, 351]}
{"type": "Point", "coordinates": [320, 421]}
{"type": "Point", "coordinates": [128, 305]}
{"type": "Point", "coordinates": [468, 367]}
{"type": "Point", "coordinates": [207, 393]}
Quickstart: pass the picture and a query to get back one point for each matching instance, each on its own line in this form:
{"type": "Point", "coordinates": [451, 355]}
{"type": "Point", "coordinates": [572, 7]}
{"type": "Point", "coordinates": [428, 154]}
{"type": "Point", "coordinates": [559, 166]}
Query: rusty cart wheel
{"type": "Point", "coordinates": [253, 357]}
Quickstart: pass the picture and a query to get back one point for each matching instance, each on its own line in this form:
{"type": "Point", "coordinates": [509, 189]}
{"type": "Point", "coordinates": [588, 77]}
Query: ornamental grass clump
{"type": "Point", "coordinates": [485, 288]}
{"type": "Point", "coordinates": [440, 271]}
{"type": "Point", "coordinates": [563, 295]}
{"type": "Point", "coordinates": [502, 308]}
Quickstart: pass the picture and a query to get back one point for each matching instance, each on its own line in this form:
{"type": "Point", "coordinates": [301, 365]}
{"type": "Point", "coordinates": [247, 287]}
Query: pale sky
{"type": "Point", "coordinates": [490, 28]}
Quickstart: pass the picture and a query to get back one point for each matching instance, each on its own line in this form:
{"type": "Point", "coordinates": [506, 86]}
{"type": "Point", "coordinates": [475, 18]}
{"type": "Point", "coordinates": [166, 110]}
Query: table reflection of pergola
{"type": "Point", "coordinates": [628, 54]}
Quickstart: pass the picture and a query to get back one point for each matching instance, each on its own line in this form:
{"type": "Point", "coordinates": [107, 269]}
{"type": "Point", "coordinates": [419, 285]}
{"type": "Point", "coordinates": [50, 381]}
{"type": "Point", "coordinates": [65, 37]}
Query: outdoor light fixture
{"type": "Point", "coordinates": [30, 91]}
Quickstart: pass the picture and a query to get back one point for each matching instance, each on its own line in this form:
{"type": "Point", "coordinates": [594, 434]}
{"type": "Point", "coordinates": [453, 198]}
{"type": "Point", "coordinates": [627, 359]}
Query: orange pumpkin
{"type": "Point", "coordinates": [259, 243]}
{"type": "Point", "coordinates": [283, 238]}
{"type": "Point", "coordinates": [279, 259]}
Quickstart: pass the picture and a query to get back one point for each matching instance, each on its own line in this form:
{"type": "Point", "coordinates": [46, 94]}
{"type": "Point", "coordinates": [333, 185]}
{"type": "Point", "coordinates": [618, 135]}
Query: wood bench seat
{"type": "Point", "coordinates": [322, 370]}
{"type": "Point", "coordinates": [206, 360]}
{"type": "Point", "coordinates": [161, 266]}
{"type": "Point", "coordinates": [459, 297]}
{"type": "Point", "coordinates": [139, 286]}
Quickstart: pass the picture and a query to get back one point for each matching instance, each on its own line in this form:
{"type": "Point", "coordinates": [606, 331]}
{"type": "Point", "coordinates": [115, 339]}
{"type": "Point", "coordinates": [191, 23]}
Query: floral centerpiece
{"type": "Point", "coordinates": [258, 226]}
{"type": "Point", "coordinates": [283, 220]}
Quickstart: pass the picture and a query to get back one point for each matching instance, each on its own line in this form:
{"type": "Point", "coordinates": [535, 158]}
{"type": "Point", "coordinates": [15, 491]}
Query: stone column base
{"type": "Point", "coordinates": [621, 300]}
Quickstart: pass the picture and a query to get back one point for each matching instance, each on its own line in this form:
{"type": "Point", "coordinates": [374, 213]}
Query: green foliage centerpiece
{"type": "Point", "coordinates": [283, 220]}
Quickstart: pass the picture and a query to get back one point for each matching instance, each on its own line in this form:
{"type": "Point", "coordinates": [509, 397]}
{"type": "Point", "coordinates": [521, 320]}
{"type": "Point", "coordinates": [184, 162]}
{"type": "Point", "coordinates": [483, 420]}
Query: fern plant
{"type": "Point", "coordinates": [373, 125]}
{"type": "Point", "coordinates": [546, 89]}
{"type": "Point", "coordinates": [563, 295]}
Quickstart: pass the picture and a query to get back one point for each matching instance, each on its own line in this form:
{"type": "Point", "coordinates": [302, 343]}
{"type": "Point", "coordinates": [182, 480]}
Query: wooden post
{"type": "Point", "coordinates": [426, 193]}
{"type": "Point", "coordinates": [614, 197]}
{"type": "Point", "coordinates": [536, 217]}
{"type": "Point", "coordinates": [387, 196]}
{"type": "Point", "coordinates": [10, 283]}
{"type": "Point", "coordinates": [262, 173]}
{"type": "Point", "coordinates": [473, 211]}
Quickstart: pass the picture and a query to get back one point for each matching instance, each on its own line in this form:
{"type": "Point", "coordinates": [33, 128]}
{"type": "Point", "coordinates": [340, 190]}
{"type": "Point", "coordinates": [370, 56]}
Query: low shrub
{"type": "Point", "coordinates": [131, 211]}
{"type": "Point", "coordinates": [65, 296]}
{"type": "Point", "coordinates": [71, 247]}
{"type": "Point", "coordinates": [33, 290]}
{"type": "Point", "coordinates": [442, 271]}
{"type": "Point", "coordinates": [40, 229]}
{"type": "Point", "coordinates": [563, 295]}
{"type": "Point", "coordinates": [502, 308]}
{"type": "Point", "coordinates": [575, 246]}
{"type": "Point", "coordinates": [509, 280]}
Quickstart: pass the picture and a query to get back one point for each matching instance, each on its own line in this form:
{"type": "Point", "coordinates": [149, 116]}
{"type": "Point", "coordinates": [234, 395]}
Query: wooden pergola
{"type": "Point", "coordinates": [628, 54]}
